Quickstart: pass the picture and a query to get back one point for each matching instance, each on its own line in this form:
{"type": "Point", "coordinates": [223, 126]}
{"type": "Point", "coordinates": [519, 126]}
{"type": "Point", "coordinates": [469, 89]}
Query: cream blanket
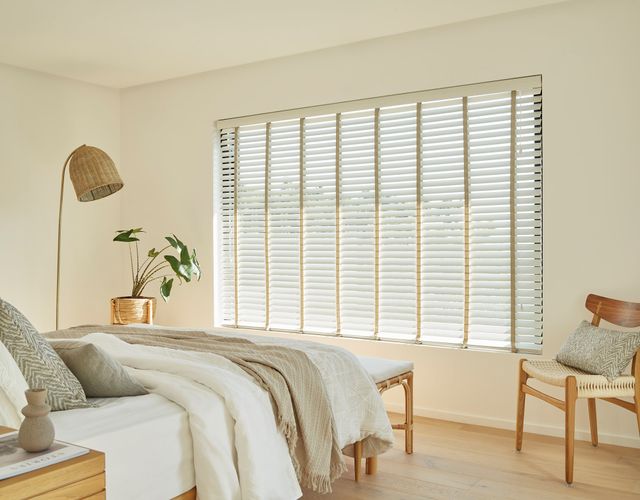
{"type": "Point", "coordinates": [355, 409]}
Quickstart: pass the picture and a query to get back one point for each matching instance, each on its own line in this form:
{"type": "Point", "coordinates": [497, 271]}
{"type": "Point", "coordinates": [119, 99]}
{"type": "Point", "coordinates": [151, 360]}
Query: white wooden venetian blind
{"type": "Point", "coordinates": [252, 295]}
{"type": "Point", "coordinates": [414, 217]}
{"type": "Point", "coordinates": [320, 223]}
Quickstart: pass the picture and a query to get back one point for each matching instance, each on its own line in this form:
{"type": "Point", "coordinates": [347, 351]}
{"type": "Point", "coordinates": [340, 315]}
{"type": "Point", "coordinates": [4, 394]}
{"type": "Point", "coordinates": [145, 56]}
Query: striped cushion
{"type": "Point", "coordinates": [38, 362]}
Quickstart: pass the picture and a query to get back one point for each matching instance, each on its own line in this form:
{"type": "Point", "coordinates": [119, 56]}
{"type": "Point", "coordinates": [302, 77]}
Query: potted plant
{"type": "Point", "coordinates": [136, 308]}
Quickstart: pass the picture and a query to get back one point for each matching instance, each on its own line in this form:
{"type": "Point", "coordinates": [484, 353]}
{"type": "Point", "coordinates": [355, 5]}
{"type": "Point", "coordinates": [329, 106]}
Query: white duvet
{"type": "Point", "coordinates": [237, 449]}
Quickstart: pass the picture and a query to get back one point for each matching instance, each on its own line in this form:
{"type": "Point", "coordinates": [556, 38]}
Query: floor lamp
{"type": "Point", "coordinates": [94, 176]}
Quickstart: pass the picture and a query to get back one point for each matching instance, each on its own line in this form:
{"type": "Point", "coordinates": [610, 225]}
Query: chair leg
{"type": "Point", "coordinates": [571, 394]}
{"type": "Point", "coordinates": [593, 421]}
{"type": "Point", "coordinates": [357, 459]}
{"type": "Point", "coordinates": [522, 380]}
{"type": "Point", "coordinates": [636, 372]}
{"type": "Point", "coordinates": [638, 412]}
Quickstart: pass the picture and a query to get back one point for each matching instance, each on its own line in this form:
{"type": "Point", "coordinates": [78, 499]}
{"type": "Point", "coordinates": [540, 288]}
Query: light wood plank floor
{"type": "Point", "coordinates": [454, 461]}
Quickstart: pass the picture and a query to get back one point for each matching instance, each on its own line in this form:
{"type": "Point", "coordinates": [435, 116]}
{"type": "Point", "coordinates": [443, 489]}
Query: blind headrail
{"type": "Point", "coordinates": [522, 83]}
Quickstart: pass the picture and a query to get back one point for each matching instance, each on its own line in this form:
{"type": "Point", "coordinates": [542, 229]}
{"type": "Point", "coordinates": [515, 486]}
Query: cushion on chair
{"type": "Point", "coordinates": [589, 385]}
{"type": "Point", "coordinates": [380, 369]}
{"type": "Point", "coordinates": [598, 350]}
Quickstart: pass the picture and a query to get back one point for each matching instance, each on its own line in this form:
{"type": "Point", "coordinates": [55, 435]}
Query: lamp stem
{"type": "Point", "coordinates": [64, 170]}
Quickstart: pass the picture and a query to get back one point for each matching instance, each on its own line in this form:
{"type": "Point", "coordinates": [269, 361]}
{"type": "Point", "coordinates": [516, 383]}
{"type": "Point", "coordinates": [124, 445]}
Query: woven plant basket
{"type": "Point", "coordinates": [125, 310]}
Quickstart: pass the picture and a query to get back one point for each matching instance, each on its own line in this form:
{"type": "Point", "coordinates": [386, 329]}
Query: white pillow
{"type": "Point", "coordinates": [8, 415]}
{"type": "Point", "coordinates": [12, 387]}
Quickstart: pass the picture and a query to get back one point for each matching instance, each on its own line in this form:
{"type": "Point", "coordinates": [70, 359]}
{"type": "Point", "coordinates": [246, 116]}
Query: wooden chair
{"type": "Point", "coordinates": [578, 384]}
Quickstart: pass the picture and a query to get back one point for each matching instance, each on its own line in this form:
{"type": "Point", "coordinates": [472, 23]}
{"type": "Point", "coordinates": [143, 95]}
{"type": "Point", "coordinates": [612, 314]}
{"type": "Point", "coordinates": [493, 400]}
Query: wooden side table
{"type": "Point", "coordinates": [80, 477]}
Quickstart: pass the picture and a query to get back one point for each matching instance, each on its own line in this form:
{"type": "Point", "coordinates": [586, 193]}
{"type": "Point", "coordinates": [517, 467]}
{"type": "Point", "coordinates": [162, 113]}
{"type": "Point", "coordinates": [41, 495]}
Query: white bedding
{"type": "Point", "coordinates": [238, 452]}
{"type": "Point", "coordinates": [146, 439]}
{"type": "Point", "coordinates": [356, 405]}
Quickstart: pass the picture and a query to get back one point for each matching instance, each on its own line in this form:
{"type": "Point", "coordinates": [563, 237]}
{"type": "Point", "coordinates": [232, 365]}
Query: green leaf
{"type": "Point", "coordinates": [172, 242]}
{"type": "Point", "coordinates": [195, 265]}
{"type": "Point", "coordinates": [153, 253]}
{"type": "Point", "coordinates": [175, 242]}
{"type": "Point", "coordinates": [185, 258]}
{"type": "Point", "coordinates": [126, 236]}
{"type": "Point", "coordinates": [181, 271]}
{"type": "Point", "coordinates": [165, 288]}
{"type": "Point", "coordinates": [187, 265]}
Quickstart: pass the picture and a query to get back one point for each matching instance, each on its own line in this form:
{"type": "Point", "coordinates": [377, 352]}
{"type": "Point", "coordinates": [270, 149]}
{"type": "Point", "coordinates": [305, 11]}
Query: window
{"type": "Point", "coordinates": [415, 217]}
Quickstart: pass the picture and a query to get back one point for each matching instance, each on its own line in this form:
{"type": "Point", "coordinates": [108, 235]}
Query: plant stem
{"type": "Point", "coordinates": [143, 263]}
{"type": "Point", "coordinates": [131, 262]}
{"type": "Point", "coordinates": [144, 285]}
{"type": "Point", "coordinates": [149, 278]}
{"type": "Point", "coordinates": [137, 261]}
{"type": "Point", "coordinates": [158, 278]}
{"type": "Point", "coordinates": [142, 275]}
{"type": "Point", "coordinates": [154, 269]}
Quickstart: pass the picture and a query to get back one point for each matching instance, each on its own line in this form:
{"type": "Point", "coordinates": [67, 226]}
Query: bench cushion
{"type": "Point", "coordinates": [380, 369]}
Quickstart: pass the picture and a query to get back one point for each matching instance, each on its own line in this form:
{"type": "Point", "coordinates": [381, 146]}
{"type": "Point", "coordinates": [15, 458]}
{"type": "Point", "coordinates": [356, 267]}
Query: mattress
{"type": "Point", "coordinates": [146, 441]}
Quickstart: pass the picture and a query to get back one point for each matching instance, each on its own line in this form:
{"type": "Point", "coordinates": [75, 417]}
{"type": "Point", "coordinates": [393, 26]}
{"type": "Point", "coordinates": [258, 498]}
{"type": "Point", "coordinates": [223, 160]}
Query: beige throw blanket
{"type": "Point", "coordinates": [299, 398]}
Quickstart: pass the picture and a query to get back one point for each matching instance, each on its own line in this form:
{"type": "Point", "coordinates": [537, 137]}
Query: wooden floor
{"type": "Point", "coordinates": [464, 461]}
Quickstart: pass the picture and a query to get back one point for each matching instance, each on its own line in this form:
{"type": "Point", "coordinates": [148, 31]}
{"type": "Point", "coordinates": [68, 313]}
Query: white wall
{"type": "Point", "coordinates": [587, 53]}
{"type": "Point", "coordinates": [42, 119]}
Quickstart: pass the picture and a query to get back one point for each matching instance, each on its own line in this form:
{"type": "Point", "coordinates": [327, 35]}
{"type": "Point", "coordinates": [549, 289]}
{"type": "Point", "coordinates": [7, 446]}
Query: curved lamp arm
{"type": "Point", "coordinates": [64, 170]}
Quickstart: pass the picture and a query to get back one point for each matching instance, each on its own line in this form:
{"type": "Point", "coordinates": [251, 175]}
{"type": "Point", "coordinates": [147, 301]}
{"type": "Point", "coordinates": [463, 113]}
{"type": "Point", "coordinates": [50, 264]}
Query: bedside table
{"type": "Point", "coordinates": [80, 477]}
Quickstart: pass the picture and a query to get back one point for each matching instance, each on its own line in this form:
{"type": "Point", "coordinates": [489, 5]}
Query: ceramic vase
{"type": "Point", "coordinates": [36, 432]}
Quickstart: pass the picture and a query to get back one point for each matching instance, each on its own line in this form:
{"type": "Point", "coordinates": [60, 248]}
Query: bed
{"type": "Point", "coordinates": [211, 425]}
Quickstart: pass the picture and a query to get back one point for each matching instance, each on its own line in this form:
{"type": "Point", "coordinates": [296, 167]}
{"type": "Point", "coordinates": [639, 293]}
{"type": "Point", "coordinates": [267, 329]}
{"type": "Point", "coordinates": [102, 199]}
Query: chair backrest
{"type": "Point", "coordinates": [616, 312]}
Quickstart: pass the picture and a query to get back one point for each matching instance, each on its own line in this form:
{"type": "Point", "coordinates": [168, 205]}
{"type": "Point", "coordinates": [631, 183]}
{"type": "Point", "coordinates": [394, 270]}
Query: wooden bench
{"type": "Point", "coordinates": [387, 374]}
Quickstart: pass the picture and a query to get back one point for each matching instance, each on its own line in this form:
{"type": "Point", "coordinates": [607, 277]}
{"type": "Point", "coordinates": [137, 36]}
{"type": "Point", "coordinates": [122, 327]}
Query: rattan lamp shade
{"type": "Point", "coordinates": [93, 174]}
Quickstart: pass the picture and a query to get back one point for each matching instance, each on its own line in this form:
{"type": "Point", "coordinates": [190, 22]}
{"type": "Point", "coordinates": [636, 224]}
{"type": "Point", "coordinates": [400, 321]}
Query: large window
{"type": "Point", "coordinates": [414, 217]}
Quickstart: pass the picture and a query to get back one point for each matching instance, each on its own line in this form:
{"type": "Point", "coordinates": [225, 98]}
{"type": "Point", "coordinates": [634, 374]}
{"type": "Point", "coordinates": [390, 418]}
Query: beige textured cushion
{"type": "Point", "coordinates": [101, 376]}
{"type": "Point", "coordinates": [598, 350]}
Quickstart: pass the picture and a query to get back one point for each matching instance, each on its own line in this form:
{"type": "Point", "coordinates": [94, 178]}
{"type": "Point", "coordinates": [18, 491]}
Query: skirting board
{"type": "Point", "coordinates": [499, 423]}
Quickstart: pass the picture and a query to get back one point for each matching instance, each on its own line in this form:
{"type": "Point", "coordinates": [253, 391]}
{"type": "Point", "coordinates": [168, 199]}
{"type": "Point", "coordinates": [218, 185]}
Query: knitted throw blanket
{"type": "Point", "coordinates": [301, 406]}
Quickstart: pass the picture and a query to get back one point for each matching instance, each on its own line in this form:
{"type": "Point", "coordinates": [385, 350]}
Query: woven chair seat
{"type": "Point", "coordinates": [589, 385]}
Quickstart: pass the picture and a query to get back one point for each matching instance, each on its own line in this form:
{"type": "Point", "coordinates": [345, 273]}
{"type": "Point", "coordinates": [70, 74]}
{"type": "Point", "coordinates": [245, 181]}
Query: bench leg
{"type": "Point", "coordinates": [408, 414]}
{"type": "Point", "coordinates": [372, 465]}
{"type": "Point", "coordinates": [357, 459]}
